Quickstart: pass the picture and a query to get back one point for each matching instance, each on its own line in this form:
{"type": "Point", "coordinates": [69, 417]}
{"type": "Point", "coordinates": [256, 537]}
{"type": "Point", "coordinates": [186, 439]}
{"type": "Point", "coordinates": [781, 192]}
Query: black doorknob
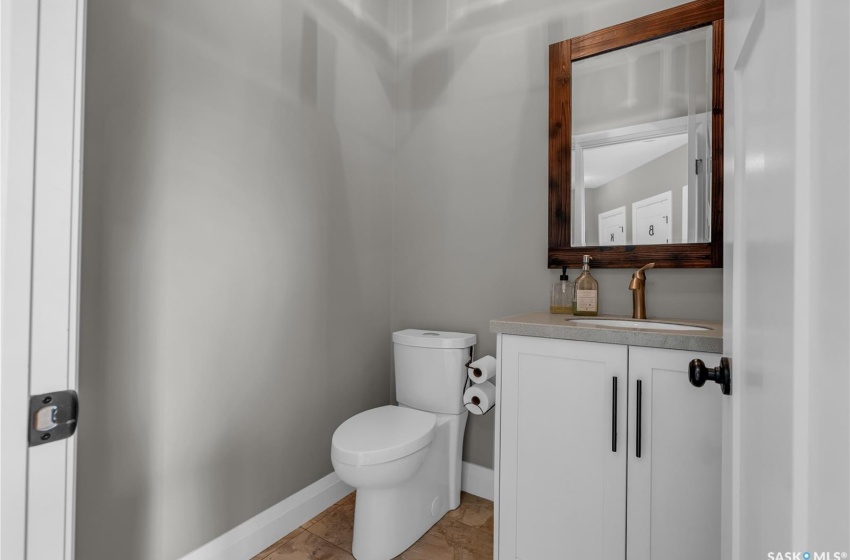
{"type": "Point", "coordinates": [698, 374]}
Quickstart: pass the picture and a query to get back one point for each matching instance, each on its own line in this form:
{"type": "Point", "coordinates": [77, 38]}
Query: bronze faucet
{"type": "Point", "coordinates": [637, 288]}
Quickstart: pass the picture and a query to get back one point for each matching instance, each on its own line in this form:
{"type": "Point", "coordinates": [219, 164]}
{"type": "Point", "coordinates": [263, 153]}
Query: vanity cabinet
{"type": "Point", "coordinates": [570, 481]}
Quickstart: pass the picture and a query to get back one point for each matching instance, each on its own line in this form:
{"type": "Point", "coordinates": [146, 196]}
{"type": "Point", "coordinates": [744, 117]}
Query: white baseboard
{"type": "Point", "coordinates": [477, 480]}
{"type": "Point", "coordinates": [262, 530]}
{"type": "Point", "coordinates": [254, 535]}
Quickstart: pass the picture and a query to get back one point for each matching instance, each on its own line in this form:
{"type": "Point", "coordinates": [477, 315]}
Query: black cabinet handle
{"type": "Point", "coordinates": [638, 417]}
{"type": "Point", "coordinates": [614, 417]}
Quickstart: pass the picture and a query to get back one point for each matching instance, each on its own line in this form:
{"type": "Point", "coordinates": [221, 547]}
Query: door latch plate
{"type": "Point", "coordinates": [53, 417]}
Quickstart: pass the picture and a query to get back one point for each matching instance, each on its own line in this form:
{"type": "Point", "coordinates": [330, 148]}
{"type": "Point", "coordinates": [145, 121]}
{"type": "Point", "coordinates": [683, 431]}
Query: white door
{"type": "Point", "coordinates": [674, 472]}
{"type": "Point", "coordinates": [652, 220]}
{"type": "Point", "coordinates": [612, 227]}
{"type": "Point", "coordinates": [787, 75]}
{"type": "Point", "coordinates": [41, 135]}
{"type": "Point", "coordinates": [562, 487]}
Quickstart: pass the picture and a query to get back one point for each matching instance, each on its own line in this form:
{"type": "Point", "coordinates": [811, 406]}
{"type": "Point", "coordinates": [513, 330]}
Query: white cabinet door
{"type": "Point", "coordinates": [562, 486]}
{"type": "Point", "coordinates": [674, 486]}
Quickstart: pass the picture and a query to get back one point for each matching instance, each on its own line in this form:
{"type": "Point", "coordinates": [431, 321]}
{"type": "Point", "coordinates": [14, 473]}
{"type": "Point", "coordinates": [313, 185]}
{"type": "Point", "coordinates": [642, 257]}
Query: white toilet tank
{"type": "Point", "coordinates": [430, 369]}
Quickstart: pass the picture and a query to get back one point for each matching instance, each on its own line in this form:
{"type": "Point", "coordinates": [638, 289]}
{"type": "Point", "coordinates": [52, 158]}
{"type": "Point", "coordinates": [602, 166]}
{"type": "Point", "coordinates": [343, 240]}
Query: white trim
{"type": "Point", "coordinates": [18, 94]}
{"type": "Point", "coordinates": [55, 266]}
{"type": "Point", "coordinates": [75, 273]}
{"type": "Point", "coordinates": [497, 447]}
{"type": "Point", "coordinates": [477, 480]}
{"type": "Point", "coordinates": [262, 530]}
{"type": "Point", "coordinates": [42, 71]}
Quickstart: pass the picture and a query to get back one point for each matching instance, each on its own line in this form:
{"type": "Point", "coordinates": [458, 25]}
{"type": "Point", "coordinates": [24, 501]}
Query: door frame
{"type": "Point", "coordinates": [43, 42]}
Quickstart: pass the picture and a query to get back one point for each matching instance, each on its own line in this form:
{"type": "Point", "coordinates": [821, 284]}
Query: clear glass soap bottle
{"type": "Point", "coordinates": [561, 300]}
{"type": "Point", "coordinates": [587, 291]}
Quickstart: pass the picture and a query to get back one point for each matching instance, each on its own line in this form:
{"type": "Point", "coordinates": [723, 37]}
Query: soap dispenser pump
{"type": "Point", "coordinates": [587, 291]}
{"type": "Point", "coordinates": [561, 300]}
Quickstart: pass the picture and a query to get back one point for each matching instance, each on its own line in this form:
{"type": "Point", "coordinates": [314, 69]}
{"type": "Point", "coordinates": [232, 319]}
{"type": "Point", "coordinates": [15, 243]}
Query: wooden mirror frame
{"type": "Point", "coordinates": [702, 13]}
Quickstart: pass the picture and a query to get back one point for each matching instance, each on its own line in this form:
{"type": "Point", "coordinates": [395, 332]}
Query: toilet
{"type": "Point", "coordinates": [405, 460]}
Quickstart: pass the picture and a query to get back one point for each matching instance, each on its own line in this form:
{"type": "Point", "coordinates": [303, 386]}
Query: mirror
{"type": "Point", "coordinates": [635, 156]}
{"type": "Point", "coordinates": [639, 132]}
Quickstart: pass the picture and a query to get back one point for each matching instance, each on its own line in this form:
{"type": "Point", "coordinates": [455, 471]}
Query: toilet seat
{"type": "Point", "coordinates": [382, 434]}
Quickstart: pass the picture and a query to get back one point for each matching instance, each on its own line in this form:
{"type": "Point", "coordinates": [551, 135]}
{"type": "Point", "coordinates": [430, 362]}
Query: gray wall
{"type": "Point", "coordinates": [236, 259]}
{"type": "Point", "coordinates": [470, 206]}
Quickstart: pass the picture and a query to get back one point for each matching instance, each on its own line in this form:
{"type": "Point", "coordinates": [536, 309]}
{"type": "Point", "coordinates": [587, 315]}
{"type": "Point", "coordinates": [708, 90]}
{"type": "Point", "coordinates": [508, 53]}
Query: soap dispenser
{"type": "Point", "coordinates": [587, 291]}
{"type": "Point", "coordinates": [562, 295]}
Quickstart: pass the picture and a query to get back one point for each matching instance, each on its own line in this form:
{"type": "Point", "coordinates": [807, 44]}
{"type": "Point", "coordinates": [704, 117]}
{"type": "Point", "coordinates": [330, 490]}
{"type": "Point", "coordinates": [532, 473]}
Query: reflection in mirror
{"type": "Point", "coordinates": [641, 143]}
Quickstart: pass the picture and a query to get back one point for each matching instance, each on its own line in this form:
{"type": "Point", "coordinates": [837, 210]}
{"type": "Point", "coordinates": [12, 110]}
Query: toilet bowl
{"type": "Point", "coordinates": [405, 460]}
{"type": "Point", "coordinates": [381, 475]}
{"type": "Point", "coordinates": [382, 447]}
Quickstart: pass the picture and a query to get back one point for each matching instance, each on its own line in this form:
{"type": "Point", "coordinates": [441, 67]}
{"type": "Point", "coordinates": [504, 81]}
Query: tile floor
{"type": "Point", "coordinates": [463, 534]}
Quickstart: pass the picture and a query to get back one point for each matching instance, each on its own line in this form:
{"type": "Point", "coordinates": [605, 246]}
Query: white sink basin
{"type": "Point", "coordinates": [627, 324]}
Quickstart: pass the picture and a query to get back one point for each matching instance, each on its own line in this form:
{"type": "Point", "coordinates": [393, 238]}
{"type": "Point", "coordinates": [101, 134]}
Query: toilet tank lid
{"type": "Point", "coordinates": [434, 339]}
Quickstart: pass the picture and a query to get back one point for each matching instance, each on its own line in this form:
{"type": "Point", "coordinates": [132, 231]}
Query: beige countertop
{"type": "Point", "coordinates": [549, 325]}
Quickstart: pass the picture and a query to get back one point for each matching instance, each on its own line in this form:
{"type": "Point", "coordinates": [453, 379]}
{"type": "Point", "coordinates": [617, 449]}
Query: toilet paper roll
{"type": "Point", "coordinates": [480, 398]}
{"type": "Point", "coordinates": [482, 370]}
